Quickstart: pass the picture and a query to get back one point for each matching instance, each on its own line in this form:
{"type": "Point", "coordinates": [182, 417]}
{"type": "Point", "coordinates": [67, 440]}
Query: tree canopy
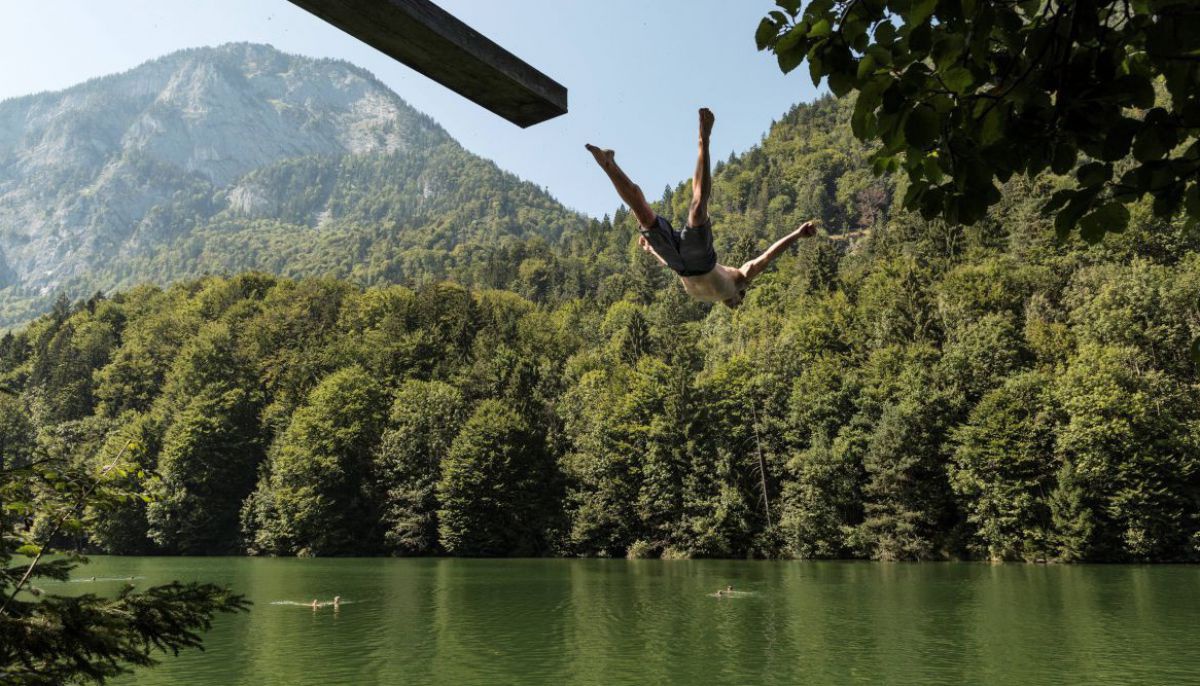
{"type": "Point", "coordinates": [48, 638]}
{"type": "Point", "coordinates": [963, 94]}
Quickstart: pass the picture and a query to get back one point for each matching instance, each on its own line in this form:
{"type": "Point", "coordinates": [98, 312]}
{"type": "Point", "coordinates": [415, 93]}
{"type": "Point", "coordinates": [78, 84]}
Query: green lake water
{"type": "Point", "coordinates": [447, 621]}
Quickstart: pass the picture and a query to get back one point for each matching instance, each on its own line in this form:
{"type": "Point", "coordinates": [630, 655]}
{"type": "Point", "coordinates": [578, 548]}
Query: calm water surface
{"type": "Point", "coordinates": [610, 622]}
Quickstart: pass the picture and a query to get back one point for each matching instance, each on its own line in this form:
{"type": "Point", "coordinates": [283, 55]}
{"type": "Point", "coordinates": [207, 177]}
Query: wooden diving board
{"type": "Point", "coordinates": [435, 43]}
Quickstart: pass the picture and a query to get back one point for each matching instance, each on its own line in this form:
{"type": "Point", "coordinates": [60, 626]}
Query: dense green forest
{"type": "Point", "coordinates": [920, 391]}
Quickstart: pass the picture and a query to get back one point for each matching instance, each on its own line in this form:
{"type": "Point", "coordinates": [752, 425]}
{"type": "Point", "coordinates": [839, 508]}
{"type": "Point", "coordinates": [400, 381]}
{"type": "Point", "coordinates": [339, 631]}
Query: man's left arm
{"type": "Point", "coordinates": [756, 266]}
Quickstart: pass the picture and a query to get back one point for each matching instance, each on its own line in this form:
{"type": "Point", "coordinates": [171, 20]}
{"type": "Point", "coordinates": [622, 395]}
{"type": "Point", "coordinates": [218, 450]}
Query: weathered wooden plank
{"type": "Point", "coordinates": [435, 43]}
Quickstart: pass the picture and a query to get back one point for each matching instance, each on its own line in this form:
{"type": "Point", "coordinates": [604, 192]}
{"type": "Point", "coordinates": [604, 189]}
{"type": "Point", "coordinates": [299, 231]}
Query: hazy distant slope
{"type": "Point", "coordinates": [199, 159]}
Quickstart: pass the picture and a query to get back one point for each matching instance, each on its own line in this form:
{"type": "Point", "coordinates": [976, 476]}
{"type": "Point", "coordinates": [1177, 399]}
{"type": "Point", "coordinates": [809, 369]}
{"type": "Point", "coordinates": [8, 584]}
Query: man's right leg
{"type": "Point", "coordinates": [629, 191]}
{"type": "Point", "coordinates": [702, 179]}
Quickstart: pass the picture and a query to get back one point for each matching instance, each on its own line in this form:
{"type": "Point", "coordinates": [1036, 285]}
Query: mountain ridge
{"type": "Point", "coordinates": [124, 165]}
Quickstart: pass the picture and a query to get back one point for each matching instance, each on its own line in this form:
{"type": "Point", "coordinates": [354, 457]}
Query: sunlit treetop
{"type": "Point", "coordinates": [962, 94]}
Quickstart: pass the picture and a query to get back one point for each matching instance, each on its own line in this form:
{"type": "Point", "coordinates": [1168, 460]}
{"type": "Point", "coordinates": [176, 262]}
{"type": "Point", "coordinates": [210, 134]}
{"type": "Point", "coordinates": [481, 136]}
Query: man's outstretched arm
{"type": "Point", "coordinates": [756, 266]}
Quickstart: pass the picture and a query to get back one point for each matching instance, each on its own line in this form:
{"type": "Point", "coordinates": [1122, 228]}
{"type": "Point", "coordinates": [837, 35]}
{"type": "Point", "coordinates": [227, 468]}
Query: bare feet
{"type": "Point", "coordinates": [706, 123]}
{"type": "Point", "coordinates": [604, 158]}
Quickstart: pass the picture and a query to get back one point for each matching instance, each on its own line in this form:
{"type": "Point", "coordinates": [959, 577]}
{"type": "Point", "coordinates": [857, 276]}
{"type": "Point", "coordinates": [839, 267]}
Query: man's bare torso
{"type": "Point", "coordinates": [721, 284]}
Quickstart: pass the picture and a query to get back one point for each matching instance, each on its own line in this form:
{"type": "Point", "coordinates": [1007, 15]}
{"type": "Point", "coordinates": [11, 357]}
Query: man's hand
{"type": "Point", "coordinates": [808, 228]}
{"type": "Point", "coordinates": [650, 249]}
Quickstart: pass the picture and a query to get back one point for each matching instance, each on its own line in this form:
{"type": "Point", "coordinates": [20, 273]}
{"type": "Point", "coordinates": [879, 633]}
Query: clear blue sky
{"type": "Point", "coordinates": [636, 71]}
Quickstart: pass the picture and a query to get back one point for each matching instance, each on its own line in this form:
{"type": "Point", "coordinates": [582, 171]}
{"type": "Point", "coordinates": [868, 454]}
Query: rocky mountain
{"type": "Point", "coordinates": [234, 157]}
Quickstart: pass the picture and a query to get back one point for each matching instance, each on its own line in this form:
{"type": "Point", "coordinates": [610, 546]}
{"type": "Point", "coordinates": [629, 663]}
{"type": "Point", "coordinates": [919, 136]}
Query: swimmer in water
{"type": "Point", "coordinates": [315, 604]}
{"type": "Point", "coordinates": [337, 602]}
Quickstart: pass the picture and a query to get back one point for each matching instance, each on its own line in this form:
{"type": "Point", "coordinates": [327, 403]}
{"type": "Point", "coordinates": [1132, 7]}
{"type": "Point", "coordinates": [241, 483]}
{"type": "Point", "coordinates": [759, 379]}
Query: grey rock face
{"type": "Point", "coordinates": [80, 169]}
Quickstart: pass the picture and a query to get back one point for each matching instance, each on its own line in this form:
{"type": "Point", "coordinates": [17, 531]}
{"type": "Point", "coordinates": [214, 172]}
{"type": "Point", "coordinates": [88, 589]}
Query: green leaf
{"type": "Point", "coordinates": [840, 83]}
{"type": "Point", "coordinates": [1094, 173]}
{"type": "Point", "coordinates": [789, 60]}
{"type": "Point", "coordinates": [1119, 138]}
{"type": "Point", "coordinates": [1191, 200]}
{"type": "Point", "coordinates": [941, 104]}
{"type": "Point", "coordinates": [881, 55]}
{"type": "Point", "coordinates": [1156, 137]}
{"type": "Point", "coordinates": [791, 48]}
{"type": "Point", "coordinates": [1191, 114]}
{"type": "Point", "coordinates": [862, 120]}
{"type": "Point", "coordinates": [959, 79]}
{"type": "Point", "coordinates": [1147, 148]}
{"type": "Point", "coordinates": [885, 34]}
{"type": "Point", "coordinates": [932, 170]}
{"type": "Point", "coordinates": [1057, 200]}
{"type": "Point", "coordinates": [946, 50]}
{"type": "Point", "coordinates": [766, 34]}
{"type": "Point", "coordinates": [971, 207]}
{"type": "Point", "coordinates": [993, 126]}
{"type": "Point", "coordinates": [1112, 217]}
{"type": "Point", "coordinates": [921, 127]}
{"type": "Point", "coordinates": [914, 193]}
{"type": "Point", "coordinates": [854, 30]}
{"type": "Point", "coordinates": [884, 164]}
{"type": "Point", "coordinates": [1166, 203]}
{"type": "Point", "coordinates": [816, 69]}
{"type": "Point", "coordinates": [919, 11]}
{"type": "Point", "coordinates": [891, 131]}
{"type": "Point", "coordinates": [932, 203]}
{"type": "Point", "coordinates": [1064, 158]}
{"type": "Point", "coordinates": [866, 67]}
{"type": "Point", "coordinates": [1069, 216]}
{"type": "Point", "coordinates": [919, 39]}
{"type": "Point", "coordinates": [791, 6]}
{"type": "Point", "coordinates": [914, 80]}
{"type": "Point", "coordinates": [820, 29]}
{"type": "Point", "coordinates": [1151, 145]}
{"type": "Point", "coordinates": [1133, 90]}
{"type": "Point", "coordinates": [795, 38]}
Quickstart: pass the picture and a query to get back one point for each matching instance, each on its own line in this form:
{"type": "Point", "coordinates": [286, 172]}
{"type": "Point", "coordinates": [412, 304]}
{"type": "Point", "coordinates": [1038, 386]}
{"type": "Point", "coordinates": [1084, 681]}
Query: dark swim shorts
{"type": "Point", "coordinates": [689, 252]}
